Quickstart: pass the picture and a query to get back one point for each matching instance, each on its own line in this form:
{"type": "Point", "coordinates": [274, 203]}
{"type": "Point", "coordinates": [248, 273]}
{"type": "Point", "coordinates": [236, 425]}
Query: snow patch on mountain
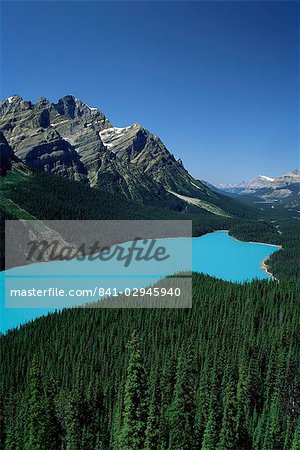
{"type": "Point", "coordinates": [264, 177]}
{"type": "Point", "coordinates": [113, 135]}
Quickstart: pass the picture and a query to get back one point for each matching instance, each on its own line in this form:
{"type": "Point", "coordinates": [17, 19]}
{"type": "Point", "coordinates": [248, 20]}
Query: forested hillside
{"type": "Point", "coordinates": [222, 375]}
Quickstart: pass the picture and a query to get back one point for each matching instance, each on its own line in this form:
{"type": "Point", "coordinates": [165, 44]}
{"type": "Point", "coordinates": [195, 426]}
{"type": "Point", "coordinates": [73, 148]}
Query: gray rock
{"type": "Point", "coordinates": [7, 156]}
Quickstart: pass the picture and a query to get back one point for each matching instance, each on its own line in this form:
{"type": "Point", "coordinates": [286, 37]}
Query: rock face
{"type": "Point", "coordinates": [292, 177]}
{"type": "Point", "coordinates": [72, 140]}
{"type": "Point", "coordinates": [7, 156]}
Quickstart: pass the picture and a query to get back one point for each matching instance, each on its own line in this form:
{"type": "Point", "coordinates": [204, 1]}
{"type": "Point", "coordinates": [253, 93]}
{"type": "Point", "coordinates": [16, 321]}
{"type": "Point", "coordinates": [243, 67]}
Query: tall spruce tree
{"type": "Point", "coordinates": [75, 416]}
{"type": "Point", "coordinates": [211, 431]}
{"type": "Point", "coordinates": [153, 438]}
{"type": "Point", "coordinates": [132, 435]}
{"type": "Point", "coordinates": [2, 428]}
{"type": "Point", "coordinates": [36, 432]}
{"type": "Point", "coordinates": [182, 413]}
{"type": "Point", "coordinates": [210, 436]}
{"type": "Point", "coordinates": [228, 434]}
{"type": "Point", "coordinates": [54, 429]}
{"type": "Point", "coordinates": [273, 434]}
{"type": "Point", "coordinates": [242, 397]}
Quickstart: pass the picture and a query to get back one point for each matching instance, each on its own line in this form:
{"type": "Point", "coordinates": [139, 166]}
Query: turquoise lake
{"type": "Point", "coordinates": [216, 254]}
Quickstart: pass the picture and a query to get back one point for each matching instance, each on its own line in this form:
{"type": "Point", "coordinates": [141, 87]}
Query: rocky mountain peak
{"type": "Point", "coordinates": [66, 106]}
{"type": "Point", "coordinates": [293, 173]}
{"type": "Point", "coordinates": [14, 104]}
{"type": "Point", "coordinates": [13, 98]}
{"type": "Point", "coordinates": [73, 108]}
{"type": "Point", "coordinates": [42, 103]}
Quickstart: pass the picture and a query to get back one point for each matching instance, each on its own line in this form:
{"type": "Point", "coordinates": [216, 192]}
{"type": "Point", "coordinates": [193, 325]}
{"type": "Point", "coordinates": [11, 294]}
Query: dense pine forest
{"type": "Point", "coordinates": [222, 375]}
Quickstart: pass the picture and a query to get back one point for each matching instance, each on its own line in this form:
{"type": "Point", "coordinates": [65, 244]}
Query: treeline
{"type": "Point", "coordinates": [222, 375]}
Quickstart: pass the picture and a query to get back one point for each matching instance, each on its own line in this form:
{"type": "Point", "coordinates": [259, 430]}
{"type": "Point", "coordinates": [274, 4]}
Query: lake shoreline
{"type": "Point", "coordinates": [263, 264]}
{"type": "Point", "coordinates": [264, 267]}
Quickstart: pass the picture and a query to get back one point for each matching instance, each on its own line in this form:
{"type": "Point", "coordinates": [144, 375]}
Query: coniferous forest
{"type": "Point", "coordinates": [222, 375]}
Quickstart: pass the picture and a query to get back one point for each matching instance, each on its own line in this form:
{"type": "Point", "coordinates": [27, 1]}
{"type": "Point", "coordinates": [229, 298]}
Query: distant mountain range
{"type": "Point", "coordinates": [284, 190]}
{"type": "Point", "coordinates": [72, 140]}
{"type": "Point", "coordinates": [260, 182]}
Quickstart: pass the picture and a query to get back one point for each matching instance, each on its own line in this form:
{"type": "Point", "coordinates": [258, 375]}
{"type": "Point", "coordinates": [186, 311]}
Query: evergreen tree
{"type": "Point", "coordinates": [210, 436]}
{"type": "Point", "coordinates": [228, 435]}
{"type": "Point", "coordinates": [132, 435]}
{"type": "Point", "coordinates": [153, 438]}
{"type": "Point", "coordinates": [242, 396]}
{"type": "Point", "coordinates": [166, 388]}
{"type": "Point", "coordinates": [182, 414]}
{"type": "Point", "coordinates": [36, 433]}
{"type": "Point", "coordinates": [288, 435]}
{"type": "Point", "coordinates": [53, 430]}
{"type": "Point", "coordinates": [273, 434]}
{"type": "Point", "coordinates": [204, 397]}
{"type": "Point", "coordinates": [2, 429]}
{"type": "Point", "coordinates": [75, 416]}
{"type": "Point", "coordinates": [10, 425]}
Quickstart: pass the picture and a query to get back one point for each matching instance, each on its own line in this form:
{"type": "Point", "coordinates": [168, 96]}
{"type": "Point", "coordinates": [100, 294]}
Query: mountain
{"type": "Point", "coordinates": [292, 177]}
{"type": "Point", "coordinates": [72, 140]}
{"type": "Point", "coordinates": [262, 182]}
{"type": "Point", "coordinates": [283, 191]}
{"type": "Point", "coordinates": [246, 187]}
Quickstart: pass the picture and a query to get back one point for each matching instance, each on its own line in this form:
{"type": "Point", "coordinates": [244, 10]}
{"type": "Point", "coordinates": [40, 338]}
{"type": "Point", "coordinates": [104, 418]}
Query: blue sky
{"type": "Point", "coordinates": [217, 81]}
